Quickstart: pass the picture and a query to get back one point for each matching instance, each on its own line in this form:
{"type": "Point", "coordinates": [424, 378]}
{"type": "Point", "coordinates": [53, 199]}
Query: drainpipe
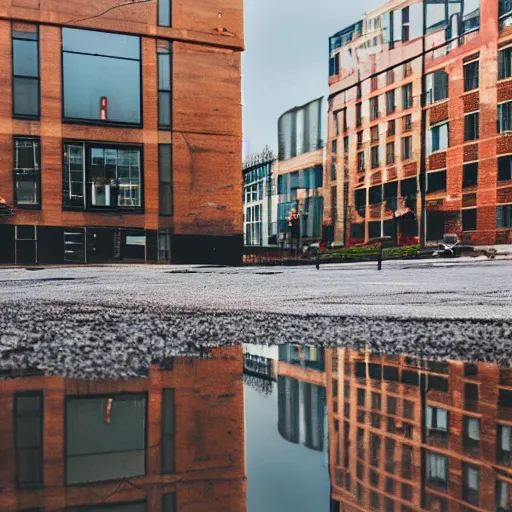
{"type": "Point", "coordinates": [423, 155]}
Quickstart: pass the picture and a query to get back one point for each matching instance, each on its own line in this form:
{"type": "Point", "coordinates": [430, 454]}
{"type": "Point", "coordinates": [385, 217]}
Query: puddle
{"type": "Point", "coordinates": [257, 428]}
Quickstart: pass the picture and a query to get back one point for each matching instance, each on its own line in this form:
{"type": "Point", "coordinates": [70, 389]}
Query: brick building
{"type": "Point", "coordinates": [168, 442]}
{"type": "Point", "coordinates": [408, 434]}
{"type": "Point", "coordinates": [121, 131]}
{"type": "Point", "coordinates": [419, 127]}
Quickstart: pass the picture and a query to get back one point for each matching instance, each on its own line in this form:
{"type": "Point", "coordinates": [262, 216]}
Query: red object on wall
{"type": "Point", "coordinates": [104, 108]}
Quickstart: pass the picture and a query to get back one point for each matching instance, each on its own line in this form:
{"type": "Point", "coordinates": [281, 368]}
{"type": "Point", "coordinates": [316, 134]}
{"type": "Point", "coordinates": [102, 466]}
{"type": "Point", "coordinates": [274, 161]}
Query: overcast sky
{"type": "Point", "coordinates": [285, 63]}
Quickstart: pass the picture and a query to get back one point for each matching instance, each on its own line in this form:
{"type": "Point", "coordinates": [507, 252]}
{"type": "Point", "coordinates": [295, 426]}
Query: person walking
{"type": "Point", "coordinates": [294, 227]}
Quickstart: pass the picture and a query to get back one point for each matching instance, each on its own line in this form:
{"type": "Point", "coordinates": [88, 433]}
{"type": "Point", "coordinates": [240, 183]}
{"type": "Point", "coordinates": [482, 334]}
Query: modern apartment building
{"type": "Point", "coordinates": [300, 169]}
{"type": "Point", "coordinates": [407, 434]}
{"type": "Point", "coordinates": [171, 440]}
{"type": "Point", "coordinates": [260, 205]}
{"type": "Point", "coordinates": [419, 141]}
{"type": "Point", "coordinates": [121, 131]}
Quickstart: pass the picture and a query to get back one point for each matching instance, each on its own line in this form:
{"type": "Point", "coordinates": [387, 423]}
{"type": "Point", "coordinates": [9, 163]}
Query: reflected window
{"type": "Point", "coordinates": [25, 61]}
{"type": "Point", "coordinates": [407, 100]}
{"type": "Point", "coordinates": [469, 219]}
{"type": "Point", "coordinates": [505, 168]}
{"type": "Point", "coordinates": [101, 76]}
{"type": "Point", "coordinates": [437, 86]}
{"type": "Point", "coordinates": [470, 179]}
{"type": "Point", "coordinates": [502, 496]}
{"type": "Point", "coordinates": [102, 176]}
{"type": "Point", "coordinates": [471, 75]}
{"type": "Point", "coordinates": [504, 445]}
{"type": "Point", "coordinates": [406, 148]}
{"type": "Point", "coordinates": [164, 13]}
{"type": "Point", "coordinates": [390, 102]}
{"type": "Point", "coordinates": [437, 469]}
{"type": "Point", "coordinates": [438, 138]}
{"type": "Point", "coordinates": [407, 461]}
{"type": "Point", "coordinates": [168, 421]}
{"type": "Point", "coordinates": [375, 157]}
{"type": "Point", "coordinates": [505, 117]}
{"type": "Point", "coordinates": [27, 172]}
{"type": "Point", "coordinates": [105, 438]}
{"type": "Point", "coordinates": [471, 432]}
{"type": "Point", "coordinates": [164, 84]}
{"type": "Point", "coordinates": [470, 491]}
{"type": "Point", "coordinates": [390, 153]}
{"type": "Point", "coordinates": [29, 439]}
{"type": "Point", "coordinates": [505, 63]}
{"type": "Point", "coordinates": [504, 216]}
{"type": "Point", "coordinates": [436, 181]}
{"type": "Point", "coordinates": [471, 126]}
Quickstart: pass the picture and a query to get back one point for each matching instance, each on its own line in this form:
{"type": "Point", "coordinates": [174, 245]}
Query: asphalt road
{"type": "Point", "coordinates": [469, 289]}
{"type": "Point", "coordinates": [113, 321]}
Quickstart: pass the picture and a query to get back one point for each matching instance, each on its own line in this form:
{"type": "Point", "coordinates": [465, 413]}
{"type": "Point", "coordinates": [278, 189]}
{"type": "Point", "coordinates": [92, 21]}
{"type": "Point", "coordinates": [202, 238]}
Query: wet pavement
{"type": "Point", "coordinates": [257, 428]}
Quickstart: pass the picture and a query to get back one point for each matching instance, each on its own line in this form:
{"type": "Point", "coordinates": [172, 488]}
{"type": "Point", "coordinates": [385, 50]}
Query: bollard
{"type": "Point", "coordinates": [379, 258]}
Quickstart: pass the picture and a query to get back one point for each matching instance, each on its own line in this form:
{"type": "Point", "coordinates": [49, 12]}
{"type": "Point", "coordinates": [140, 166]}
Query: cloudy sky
{"type": "Point", "coordinates": [286, 59]}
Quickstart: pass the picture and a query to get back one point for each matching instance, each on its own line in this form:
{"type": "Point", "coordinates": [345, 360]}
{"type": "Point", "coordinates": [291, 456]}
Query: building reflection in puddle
{"type": "Point", "coordinates": [332, 429]}
{"type": "Point", "coordinates": [407, 434]}
{"type": "Point", "coordinates": [173, 441]}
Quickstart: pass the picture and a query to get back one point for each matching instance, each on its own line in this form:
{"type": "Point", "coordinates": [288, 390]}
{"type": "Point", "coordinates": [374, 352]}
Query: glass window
{"type": "Point", "coordinates": [407, 123]}
{"type": "Point", "coordinates": [374, 108]}
{"type": "Point", "coordinates": [111, 178]}
{"type": "Point", "coordinates": [390, 153]}
{"type": "Point", "coordinates": [360, 161]}
{"type": "Point", "coordinates": [168, 414]}
{"type": "Point", "coordinates": [406, 148]}
{"type": "Point", "coordinates": [375, 157]}
{"type": "Point", "coordinates": [504, 216]}
{"type": "Point", "coordinates": [164, 86]}
{"type": "Point", "coordinates": [438, 139]}
{"type": "Point", "coordinates": [29, 438]}
{"type": "Point", "coordinates": [106, 438]}
{"type": "Point", "coordinates": [505, 168]}
{"type": "Point", "coordinates": [101, 69]}
{"type": "Point", "coordinates": [25, 60]}
{"type": "Point", "coordinates": [469, 219]}
{"type": "Point", "coordinates": [437, 469]}
{"type": "Point", "coordinates": [437, 418]}
{"type": "Point", "coordinates": [165, 177]}
{"type": "Point", "coordinates": [505, 63]}
{"type": "Point", "coordinates": [505, 117]}
{"type": "Point", "coordinates": [407, 96]}
{"type": "Point", "coordinates": [471, 483]}
{"type": "Point", "coordinates": [27, 172]}
{"type": "Point", "coordinates": [471, 129]}
{"type": "Point", "coordinates": [436, 181]}
{"type": "Point", "coordinates": [390, 102]}
{"type": "Point", "coordinates": [471, 75]}
{"type": "Point", "coordinates": [437, 86]}
{"type": "Point", "coordinates": [502, 496]}
{"type": "Point", "coordinates": [471, 432]}
{"type": "Point", "coordinates": [164, 13]}
{"type": "Point", "coordinates": [470, 175]}
{"type": "Point", "coordinates": [132, 506]}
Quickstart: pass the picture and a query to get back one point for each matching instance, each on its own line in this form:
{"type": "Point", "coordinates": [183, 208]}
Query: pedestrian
{"type": "Point", "coordinates": [294, 227]}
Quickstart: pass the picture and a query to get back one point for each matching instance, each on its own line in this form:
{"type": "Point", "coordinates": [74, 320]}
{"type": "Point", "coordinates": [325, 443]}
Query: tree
{"type": "Point", "coordinates": [265, 155]}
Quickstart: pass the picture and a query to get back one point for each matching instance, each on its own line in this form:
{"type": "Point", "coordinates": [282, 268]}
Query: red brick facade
{"type": "Point", "coordinates": [206, 120]}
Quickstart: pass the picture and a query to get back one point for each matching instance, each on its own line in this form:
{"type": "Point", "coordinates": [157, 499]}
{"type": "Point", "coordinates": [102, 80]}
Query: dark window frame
{"type": "Point", "coordinates": [471, 78]}
{"type": "Point", "coordinates": [470, 174]}
{"type": "Point", "coordinates": [407, 142]}
{"type": "Point", "coordinates": [467, 217]}
{"type": "Point", "coordinates": [168, 436]}
{"type": "Point", "coordinates": [159, 13]}
{"type": "Point", "coordinates": [165, 53]}
{"type": "Point", "coordinates": [407, 96]}
{"type": "Point", "coordinates": [68, 398]}
{"type": "Point", "coordinates": [472, 126]}
{"type": "Point", "coordinates": [99, 122]}
{"type": "Point", "coordinates": [38, 205]}
{"type": "Point", "coordinates": [437, 174]}
{"type": "Point", "coordinates": [33, 394]}
{"type": "Point", "coordinates": [470, 495]}
{"type": "Point", "coordinates": [505, 63]}
{"type": "Point", "coordinates": [390, 153]}
{"type": "Point", "coordinates": [375, 157]}
{"type": "Point", "coordinates": [22, 77]}
{"type": "Point", "coordinates": [87, 147]}
{"type": "Point", "coordinates": [374, 108]}
{"type": "Point", "coordinates": [390, 102]}
{"type": "Point", "coordinates": [164, 184]}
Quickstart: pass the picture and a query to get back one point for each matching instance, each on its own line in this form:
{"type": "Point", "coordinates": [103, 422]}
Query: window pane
{"type": "Point", "coordinates": [164, 109]}
{"type": "Point", "coordinates": [105, 438]}
{"type": "Point", "coordinates": [164, 13]}
{"type": "Point", "coordinates": [128, 178]}
{"type": "Point", "coordinates": [26, 62]}
{"type": "Point", "coordinates": [27, 189]}
{"type": "Point", "coordinates": [26, 97]}
{"type": "Point", "coordinates": [100, 43]}
{"type": "Point", "coordinates": [89, 78]}
{"type": "Point", "coordinates": [164, 72]}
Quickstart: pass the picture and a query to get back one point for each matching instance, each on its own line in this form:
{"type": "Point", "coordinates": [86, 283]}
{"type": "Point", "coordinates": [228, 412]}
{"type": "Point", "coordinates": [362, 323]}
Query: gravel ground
{"type": "Point", "coordinates": [113, 321]}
